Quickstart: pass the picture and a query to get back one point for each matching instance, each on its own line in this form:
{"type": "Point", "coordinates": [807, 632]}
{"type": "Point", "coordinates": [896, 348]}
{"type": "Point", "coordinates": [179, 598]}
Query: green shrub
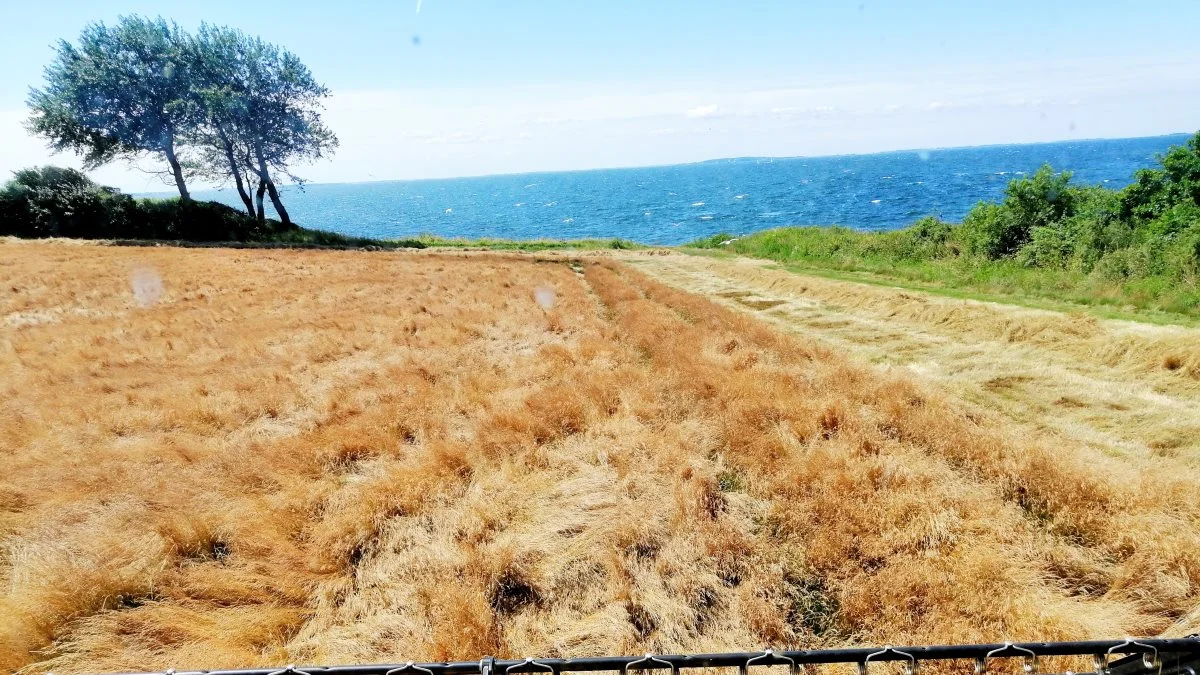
{"type": "Point", "coordinates": [1181, 252]}
{"type": "Point", "coordinates": [1049, 246]}
{"type": "Point", "coordinates": [1156, 191]}
{"type": "Point", "coordinates": [51, 201]}
{"type": "Point", "coordinates": [1121, 264]}
{"type": "Point", "coordinates": [1173, 221]}
{"type": "Point", "coordinates": [1138, 247]}
{"type": "Point", "coordinates": [1042, 200]}
{"type": "Point", "coordinates": [928, 238]}
{"type": "Point", "coordinates": [989, 230]}
{"type": "Point", "coordinates": [55, 202]}
{"type": "Point", "coordinates": [200, 221]}
{"type": "Point", "coordinates": [1097, 227]}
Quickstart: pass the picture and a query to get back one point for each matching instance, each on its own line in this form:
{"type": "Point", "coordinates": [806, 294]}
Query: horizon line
{"type": "Point", "coordinates": [541, 172]}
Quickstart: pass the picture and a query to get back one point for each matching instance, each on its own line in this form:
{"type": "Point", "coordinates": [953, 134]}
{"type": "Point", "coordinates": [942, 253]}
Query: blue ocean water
{"type": "Point", "coordinates": [675, 204]}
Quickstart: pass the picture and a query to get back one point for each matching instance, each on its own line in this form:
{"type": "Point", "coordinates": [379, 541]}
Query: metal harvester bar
{"type": "Point", "coordinates": [1180, 656]}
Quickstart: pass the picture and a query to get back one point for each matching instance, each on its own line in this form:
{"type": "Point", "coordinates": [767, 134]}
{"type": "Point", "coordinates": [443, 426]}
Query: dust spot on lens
{"type": "Point", "coordinates": [544, 296]}
{"type": "Point", "coordinates": [146, 285]}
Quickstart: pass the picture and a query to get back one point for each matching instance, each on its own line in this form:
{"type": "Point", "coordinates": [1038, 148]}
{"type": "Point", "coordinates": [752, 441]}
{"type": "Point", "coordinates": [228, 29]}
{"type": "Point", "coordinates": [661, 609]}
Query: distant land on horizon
{"type": "Point", "coordinates": [1180, 135]}
{"type": "Point", "coordinates": [677, 203]}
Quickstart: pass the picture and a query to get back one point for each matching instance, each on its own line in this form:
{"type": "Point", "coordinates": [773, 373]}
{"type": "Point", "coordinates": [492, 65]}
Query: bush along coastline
{"type": "Point", "coordinates": [1135, 248]}
{"type": "Point", "coordinates": [57, 202]}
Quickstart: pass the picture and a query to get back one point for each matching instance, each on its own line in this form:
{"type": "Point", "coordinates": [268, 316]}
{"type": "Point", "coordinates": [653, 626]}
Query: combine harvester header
{"type": "Point", "coordinates": [1109, 657]}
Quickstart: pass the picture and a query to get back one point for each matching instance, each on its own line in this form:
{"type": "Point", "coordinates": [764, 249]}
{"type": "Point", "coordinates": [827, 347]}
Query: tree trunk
{"type": "Point", "coordinates": [177, 172]}
{"type": "Point", "coordinates": [237, 177]}
{"type": "Point", "coordinates": [275, 201]}
{"type": "Point", "coordinates": [262, 187]}
{"type": "Point", "coordinates": [265, 176]}
{"type": "Point", "coordinates": [237, 174]}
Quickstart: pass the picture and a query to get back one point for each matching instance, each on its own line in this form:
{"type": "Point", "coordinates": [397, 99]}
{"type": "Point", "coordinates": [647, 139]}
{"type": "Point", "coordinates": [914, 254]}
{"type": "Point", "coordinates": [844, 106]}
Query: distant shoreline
{"type": "Point", "coordinates": [1181, 135]}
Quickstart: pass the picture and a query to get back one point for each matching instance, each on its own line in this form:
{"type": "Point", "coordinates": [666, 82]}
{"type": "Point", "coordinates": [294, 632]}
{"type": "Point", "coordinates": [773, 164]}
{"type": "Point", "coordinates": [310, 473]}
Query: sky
{"type": "Point", "coordinates": [443, 88]}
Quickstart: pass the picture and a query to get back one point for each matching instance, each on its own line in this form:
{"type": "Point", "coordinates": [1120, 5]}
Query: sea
{"type": "Point", "coordinates": [683, 202]}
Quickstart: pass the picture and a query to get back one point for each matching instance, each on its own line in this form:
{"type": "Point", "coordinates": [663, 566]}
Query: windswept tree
{"type": "Point", "coordinates": [221, 105]}
{"type": "Point", "coordinates": [221, 90]}
{"type": "Point", "coordinates": [260, 110]}
{"type": "Point", "coordinates": [123, 92]}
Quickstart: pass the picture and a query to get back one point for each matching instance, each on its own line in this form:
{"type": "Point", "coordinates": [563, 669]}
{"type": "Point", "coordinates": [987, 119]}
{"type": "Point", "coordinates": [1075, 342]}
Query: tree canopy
{"type": "Point", "coordinates": [261, 111]}
{"type": "Point", "coordinates": [219, 104]}
{"type": "Point", "coordinates": [123, 91]}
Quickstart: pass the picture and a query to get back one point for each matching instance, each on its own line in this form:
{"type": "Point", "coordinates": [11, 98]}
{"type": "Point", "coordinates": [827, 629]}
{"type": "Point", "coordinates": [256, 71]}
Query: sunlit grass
{"type": "Point", "coordinates": [529, 244]}
{"type": "Point", "coordinates": [303, 456]}
{"type": "Point", "coordinates": [883, 256]}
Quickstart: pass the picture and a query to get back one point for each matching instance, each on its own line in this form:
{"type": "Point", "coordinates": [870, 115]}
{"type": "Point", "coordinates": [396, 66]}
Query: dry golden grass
{"type": "Point", "coordinates": [332, 457]}
{"type": "Point", "coordinates": [1121, 388]}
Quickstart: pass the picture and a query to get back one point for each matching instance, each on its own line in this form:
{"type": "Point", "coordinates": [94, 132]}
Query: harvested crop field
{"type": "Point", "coordinates": [1120, 388]}
{"type": "Point", "coordinates": [223, 458]}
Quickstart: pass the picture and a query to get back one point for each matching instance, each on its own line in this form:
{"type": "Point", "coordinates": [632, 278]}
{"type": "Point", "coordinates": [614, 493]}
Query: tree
{"type": "Point", "coordinates": [1156, 191]}
{"type": "Point", "coordinates": [1041, 200]}
{"type": "Point", "coordinates": [124, 91]}
{"type": "Point", "coordinates": [261, 113]}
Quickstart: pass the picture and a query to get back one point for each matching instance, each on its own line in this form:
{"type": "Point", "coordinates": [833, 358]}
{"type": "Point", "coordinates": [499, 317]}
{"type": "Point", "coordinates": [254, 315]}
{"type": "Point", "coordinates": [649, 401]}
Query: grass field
{"type": "Point", "coordinates": [1118, 387]}
{"type": "Point", "coordinates": [222, 458]}
{"type": "Point", "coordinates": [528, 245]}
{"type": "Point", "coordinates": [892, 258]}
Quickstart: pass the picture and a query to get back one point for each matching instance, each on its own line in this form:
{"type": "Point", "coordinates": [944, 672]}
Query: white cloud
{"type": "Point", "coordinates": [398, 134]}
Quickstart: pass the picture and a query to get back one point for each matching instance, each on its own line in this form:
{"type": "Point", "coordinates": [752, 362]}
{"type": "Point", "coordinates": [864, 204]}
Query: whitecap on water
{"type": "Point", "coordinates": [876, 201]}
{"type": "Point", "coordinates": [646, 213]}
{"type": "Point", "coordinates": [448, 211]}
{"type": "Point", "coordinates": [550, 204]}
{"type": "Point", "coordinates": [568, 220]}
{"type": "Point", "coordinates": [740, 196]}
{"type": "Point", "coordinates": [706, 217]}
{"type": "Point", "coordinates": [698, 204]}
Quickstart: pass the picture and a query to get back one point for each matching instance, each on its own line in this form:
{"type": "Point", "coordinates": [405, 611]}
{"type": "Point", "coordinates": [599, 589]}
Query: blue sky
{"type": "Point", "coordinates": [465, 87]}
